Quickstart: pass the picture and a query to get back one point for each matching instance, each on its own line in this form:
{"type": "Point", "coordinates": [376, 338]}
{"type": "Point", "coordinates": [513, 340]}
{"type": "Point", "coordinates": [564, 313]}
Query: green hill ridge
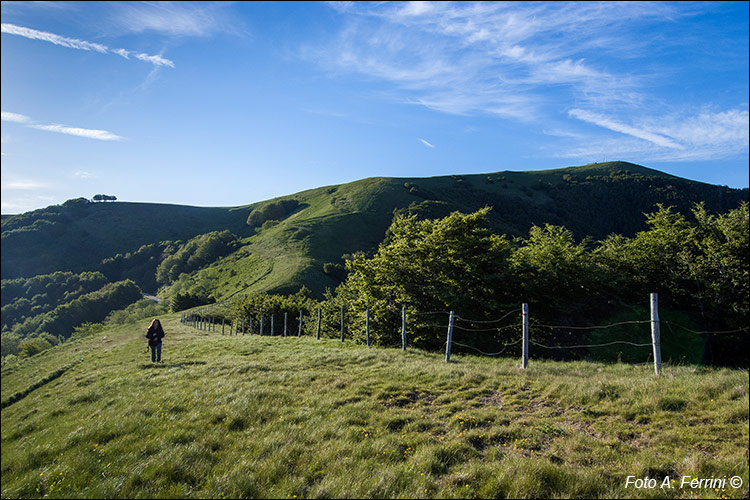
{"type": "Point", "coordinates": [290, 247]}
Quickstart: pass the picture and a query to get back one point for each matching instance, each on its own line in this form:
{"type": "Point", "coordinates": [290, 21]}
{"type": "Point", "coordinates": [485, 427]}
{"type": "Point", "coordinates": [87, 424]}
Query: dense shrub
{"type": "Point", "coordinates": [195, 254]}
{"type": "Point", "coordinates": [274, 210]}
{"type": "Point", "coordinates": [91, 307]}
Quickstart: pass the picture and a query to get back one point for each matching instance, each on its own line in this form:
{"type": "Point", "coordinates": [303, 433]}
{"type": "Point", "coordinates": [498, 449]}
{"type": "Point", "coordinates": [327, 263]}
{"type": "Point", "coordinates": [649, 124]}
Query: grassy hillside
{"type": "Point", "coordinates": [261, 417]}
{"type": "Point", "coordinates": [77, 236]}
{"type": "Point", "coordinates": [327, 222]}
{"type": "Point", "coordinates": [593, 200]}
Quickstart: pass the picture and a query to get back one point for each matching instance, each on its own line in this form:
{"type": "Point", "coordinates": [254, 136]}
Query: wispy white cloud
{"type": "Point", "coordinates": [15, 117]}
{"type": "Point", "coordinates": [426, 143]}
{"type": "Point", "coordinates": [23, 185]}
{"type": "Point", "coordinates": [71, 43]}
{"type": "Point", "coordinates": [155, 60]}
{"type": "Point", "coordinates": [616, 126]}
{"type": "Point", "coordinates": [122, 52]}
{"type": "Point", "coordinates": [700, 136]}
{"type": "Point", "coordinates": [707, 128]}
{"type": "Point", "coordinates": [19, 203]}
{"type": "Point", "coordinates": [466, 57]}
{"type": "Point", "coordinates": [550, 65]}
{"type": "Point", "coordinates": [74, 43]}
{"type": "Point", "coordinates": [173, 18]}
{"type": "Point", "coordinates": [83, 174]}
{"type": "Point", "coordinates": [101, 135]}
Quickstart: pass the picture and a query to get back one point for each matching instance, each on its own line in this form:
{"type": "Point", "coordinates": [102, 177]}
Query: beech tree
{"type": "Point", "coordinates": [454, 263]}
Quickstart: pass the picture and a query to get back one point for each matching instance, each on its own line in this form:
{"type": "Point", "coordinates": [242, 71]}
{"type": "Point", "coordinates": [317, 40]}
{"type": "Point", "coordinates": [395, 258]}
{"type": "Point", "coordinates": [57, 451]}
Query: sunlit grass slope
{"type": "Point", "coordinates": [248, 416]}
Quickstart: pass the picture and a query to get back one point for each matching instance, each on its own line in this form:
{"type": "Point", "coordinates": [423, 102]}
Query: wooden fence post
{"type": "Point", "coordinates": [655, 332]}
{"type": "Point", "coordinates": [342, 323]}
{"type": "Point", "coordinates": [222, 326]}
{"type": "Point", "coordinates": [318, 328]}
{"type": "Point", "coordinates": [367, 327]}
{"type": "Point", "coordinates": [285, 313]}
{"type": "Point", "coordinates": [403, 328]}
{"type": "Point", "coordinates": [261, 326]}
{"type": "Point", "coordinates": [450, 339]}
{"type": "Point", "coordinates": [243, 327]}
{"type": "Point", "coordinates": [272, 325]}
{"type": "Point", "coordinates": [525, 340]}
{"type": "Point", "coordinates": [231, 327]}
{"type": "Point", "coordinates": [299, 331]}
{"type": "Point", "coordinates": [251, 324]}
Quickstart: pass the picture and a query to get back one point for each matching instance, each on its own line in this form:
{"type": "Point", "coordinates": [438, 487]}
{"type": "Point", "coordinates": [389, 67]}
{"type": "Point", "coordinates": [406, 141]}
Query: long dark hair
{"type": "Point", "coordinates": [155, 324]}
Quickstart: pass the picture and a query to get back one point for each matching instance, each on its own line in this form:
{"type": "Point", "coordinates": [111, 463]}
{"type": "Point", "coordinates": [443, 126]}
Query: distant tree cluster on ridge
{"type": "Point", "coordinates": [104, 197]}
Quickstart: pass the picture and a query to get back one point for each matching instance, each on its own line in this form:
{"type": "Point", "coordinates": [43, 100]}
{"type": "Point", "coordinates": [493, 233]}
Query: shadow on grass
{"type": "Point", "coordinates": [182, 364]}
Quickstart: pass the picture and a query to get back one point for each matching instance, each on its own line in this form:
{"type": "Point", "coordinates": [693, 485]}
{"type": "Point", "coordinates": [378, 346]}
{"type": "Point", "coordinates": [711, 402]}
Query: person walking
{"type": "Point", "coordinates": [154, 335]}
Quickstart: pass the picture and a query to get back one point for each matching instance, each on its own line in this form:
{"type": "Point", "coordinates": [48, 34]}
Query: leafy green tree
{"type": "Point", "coordinates": [700, 267]}
{"type": "Point", "coordinates": [719, 266]}
{"type": "Point", "coordinates": [183, 301]}
{"type": "Point", "coordinates": [31, 346]}
{"type": "Point", "coordinates": [250, 308]}
{"type": "Point", "coordinates": [454, 263]}
{"type": "Point", "coordinates": [9, 344]}
{"type": "Point", "coordinates": [557, 276]}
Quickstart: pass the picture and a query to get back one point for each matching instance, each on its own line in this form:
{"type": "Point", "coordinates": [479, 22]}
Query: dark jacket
{"type": "Point", "coordinates": [154, 335]}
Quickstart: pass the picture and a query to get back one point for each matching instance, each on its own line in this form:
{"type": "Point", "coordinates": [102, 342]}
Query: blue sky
{"type": "Point", "coordinates": [225, 104]}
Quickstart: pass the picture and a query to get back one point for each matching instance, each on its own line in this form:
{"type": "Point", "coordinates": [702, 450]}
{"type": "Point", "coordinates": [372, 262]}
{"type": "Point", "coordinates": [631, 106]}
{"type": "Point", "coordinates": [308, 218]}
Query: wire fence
{"type": "Point", "coordinates": [484, 333]}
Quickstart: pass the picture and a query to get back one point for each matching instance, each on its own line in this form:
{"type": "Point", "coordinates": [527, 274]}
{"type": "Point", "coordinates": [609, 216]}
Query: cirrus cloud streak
{"type": "Point", "coordinates": [74, 43]}
{"type": "Point", "coordinates": [101, 135]}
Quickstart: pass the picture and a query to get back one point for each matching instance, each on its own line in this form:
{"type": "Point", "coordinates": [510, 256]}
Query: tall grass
{"type": "Point", "coordinates": [242, 416]}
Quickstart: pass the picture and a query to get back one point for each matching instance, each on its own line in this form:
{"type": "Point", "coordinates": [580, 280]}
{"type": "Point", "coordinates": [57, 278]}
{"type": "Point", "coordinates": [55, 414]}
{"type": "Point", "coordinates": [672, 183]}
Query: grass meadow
{"type": "Point", "coordinates": [262, 417]}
